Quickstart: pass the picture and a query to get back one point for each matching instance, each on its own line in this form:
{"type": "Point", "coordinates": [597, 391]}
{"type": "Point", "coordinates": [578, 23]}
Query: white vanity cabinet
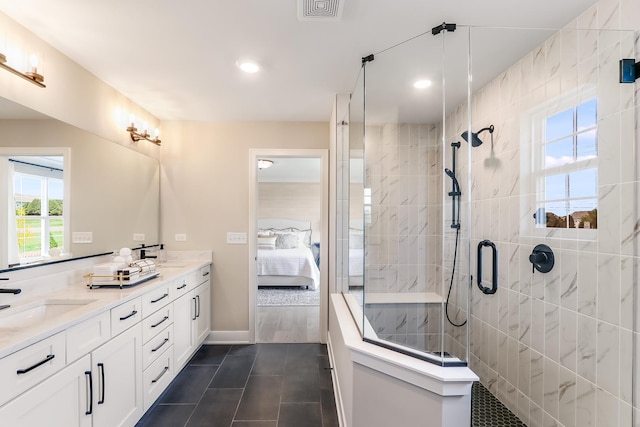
{"type": "Point", "coordinates": [117, 380]}
{"type": "Point", "coordinates": [192, 311]}
{"type": "Point", "coordinates": [62, 400]}
{"type": "Point", "coordinates": [107, 370]}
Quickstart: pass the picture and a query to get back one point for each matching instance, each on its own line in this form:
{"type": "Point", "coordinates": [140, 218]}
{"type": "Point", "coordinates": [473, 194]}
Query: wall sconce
{"type": "Point", "coordinates": [31, 76]}
{"type": "Point", "coordinates": [264, 163]}
{"type": "Point", "coordinates": [137, 136]}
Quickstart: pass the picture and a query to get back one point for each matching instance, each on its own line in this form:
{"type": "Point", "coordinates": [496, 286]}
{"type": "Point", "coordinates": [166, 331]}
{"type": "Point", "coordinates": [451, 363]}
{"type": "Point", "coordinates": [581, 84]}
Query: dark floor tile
{"type": "Point", "coordinates": [233, 372]}
{"type": "Point", "coordinates": [189, 385]}
{"type": "Point", "coordinates": [325, 379]}
{"type": "Point", "coordinates": [300, 414]}
{"type": "Point", "coordinates": [302, 356]}
{"type": "Point", "coordinates": [329, 410]}
{"type": "Point", "coordinates": [254, 424]}
{"type": "Point", "coordinates": [301, 387]}
{"type": "Point", "coordinates": [216, 409]}
{"type": "Point", "coordinates": [261, 399]}
{"type": "Point", "coordinates": [270, 360]}
{"type": "Point", "coordinates": [166, 416]}
{"type": "Point", "coordinates": [210, 355]}
{"type": "Point", "coordinates": [244, 350]}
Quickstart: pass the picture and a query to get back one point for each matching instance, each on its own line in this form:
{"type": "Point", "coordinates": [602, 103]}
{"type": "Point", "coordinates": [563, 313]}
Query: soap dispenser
{"type": "Point", "coordinates": [162, 254]}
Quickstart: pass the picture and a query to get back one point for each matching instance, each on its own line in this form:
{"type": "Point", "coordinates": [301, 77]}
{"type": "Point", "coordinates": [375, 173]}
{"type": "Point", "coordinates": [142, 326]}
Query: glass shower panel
{"type": "Point", "coordinates": [405, 290]}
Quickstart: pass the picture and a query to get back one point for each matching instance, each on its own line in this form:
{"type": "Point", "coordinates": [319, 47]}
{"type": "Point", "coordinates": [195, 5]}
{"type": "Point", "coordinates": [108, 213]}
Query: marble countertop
{"type": "Point", "coordinates": [13, 339]}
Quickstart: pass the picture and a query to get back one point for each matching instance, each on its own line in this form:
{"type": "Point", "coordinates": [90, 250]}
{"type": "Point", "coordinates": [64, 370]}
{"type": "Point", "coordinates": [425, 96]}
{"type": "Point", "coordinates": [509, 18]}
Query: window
{"type": "Point", "coordinates": [38, 197]}
{"type": "Point", "coordinates": [568, 170]}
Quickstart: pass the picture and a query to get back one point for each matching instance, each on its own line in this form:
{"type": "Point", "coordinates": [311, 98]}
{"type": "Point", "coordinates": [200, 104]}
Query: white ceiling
{"type": "Point", "coordinates": [177, 59]}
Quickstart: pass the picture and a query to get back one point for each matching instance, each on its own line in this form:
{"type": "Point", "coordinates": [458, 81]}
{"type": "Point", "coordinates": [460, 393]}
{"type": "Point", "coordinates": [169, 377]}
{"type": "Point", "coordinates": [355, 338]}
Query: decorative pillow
{"type": "Point", "coordinates": [286, 241]}
{"type": "Point", "coordinates": [267, 242]}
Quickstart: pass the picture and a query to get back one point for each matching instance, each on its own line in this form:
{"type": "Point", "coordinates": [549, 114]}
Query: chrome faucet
{"type": "Point", "coordinates": [8, 291]}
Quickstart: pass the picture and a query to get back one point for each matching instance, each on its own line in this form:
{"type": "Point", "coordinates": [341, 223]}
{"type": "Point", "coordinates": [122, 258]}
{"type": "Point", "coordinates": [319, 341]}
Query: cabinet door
{"type": "Point", "coordinates": [183, 319]}
{"type": "Point", "coordinates": [203, 314]}
{"type": "Point", "coordinates": [59, 401]}
{"type": "Point", "coordinates": [117, 382]}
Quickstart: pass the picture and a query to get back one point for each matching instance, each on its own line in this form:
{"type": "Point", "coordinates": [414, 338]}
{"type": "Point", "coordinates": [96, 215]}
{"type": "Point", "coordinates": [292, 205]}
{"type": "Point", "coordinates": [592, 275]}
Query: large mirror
{"type": "Point", "coordinates": [70, 193]}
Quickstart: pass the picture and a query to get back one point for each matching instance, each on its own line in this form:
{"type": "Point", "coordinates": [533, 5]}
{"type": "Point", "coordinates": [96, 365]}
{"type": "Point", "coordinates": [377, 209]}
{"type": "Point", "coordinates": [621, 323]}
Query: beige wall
{"type": "Point", "coordinates": [205, 194]}
{"type": "Point", "coordinates": [73, 95]}
{"type": "Point", "coordinates": [291, 200]}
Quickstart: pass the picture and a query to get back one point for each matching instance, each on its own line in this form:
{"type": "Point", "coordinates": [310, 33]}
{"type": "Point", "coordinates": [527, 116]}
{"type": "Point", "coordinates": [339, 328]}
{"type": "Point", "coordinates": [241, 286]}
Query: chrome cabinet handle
{"type": "Point", "coordinates": [205, 274]}
{"type": "Point", "coordinates": [198, 305]}
{"type": "Point", "coordinates": [195, 309]}
{"type": "Point", "coordinates": [184, 285]}
{"type": "Point", "coordinates": [40, 363]}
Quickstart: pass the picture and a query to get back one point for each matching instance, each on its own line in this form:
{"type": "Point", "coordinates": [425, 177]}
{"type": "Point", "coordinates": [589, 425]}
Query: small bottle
{"type": "Point", "coordinates": [162, 254]}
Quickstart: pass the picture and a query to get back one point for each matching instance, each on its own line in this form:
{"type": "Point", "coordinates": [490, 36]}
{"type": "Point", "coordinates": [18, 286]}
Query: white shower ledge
{"type": "Point", "coordinates": [402, 298]}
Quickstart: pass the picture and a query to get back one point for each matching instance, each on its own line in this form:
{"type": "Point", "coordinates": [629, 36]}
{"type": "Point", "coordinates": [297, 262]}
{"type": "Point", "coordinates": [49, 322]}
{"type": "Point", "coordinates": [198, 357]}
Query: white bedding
{"type": "Point", "coordinates": [356, 262]}
{"type": "Point", "coordinates": [288, 262]}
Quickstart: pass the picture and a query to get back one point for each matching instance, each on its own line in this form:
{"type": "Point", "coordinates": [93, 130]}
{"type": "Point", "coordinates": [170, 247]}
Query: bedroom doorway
{"type": "Point", "coordinates": [289, 228]}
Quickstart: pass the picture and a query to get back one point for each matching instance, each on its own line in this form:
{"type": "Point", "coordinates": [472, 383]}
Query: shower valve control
{"type": "Point", "coordinates": [542, 259]}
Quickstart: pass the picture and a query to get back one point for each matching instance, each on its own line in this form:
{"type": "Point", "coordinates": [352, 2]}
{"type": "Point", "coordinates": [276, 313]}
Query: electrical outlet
{"type": "Point", "coordinates": [181, 237]}
{"type": "Point", "coordinates": [237, 238]}
{"type": "Point", "coordinates": [82, 237]}
{"type": "Point", "coordinates": [138, 237]}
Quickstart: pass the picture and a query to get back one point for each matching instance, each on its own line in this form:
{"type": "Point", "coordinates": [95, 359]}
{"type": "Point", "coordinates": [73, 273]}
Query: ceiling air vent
{"type": "Point", "coordinates": [320, 10]}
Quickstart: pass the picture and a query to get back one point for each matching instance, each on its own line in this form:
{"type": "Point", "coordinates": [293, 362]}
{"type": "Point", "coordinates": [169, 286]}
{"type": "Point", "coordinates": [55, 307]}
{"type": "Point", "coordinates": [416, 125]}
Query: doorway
{"type": "Point", "coordinates": [288, 280]}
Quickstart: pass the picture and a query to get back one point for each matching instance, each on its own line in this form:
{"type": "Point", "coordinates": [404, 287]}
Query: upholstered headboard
{"type": "Point", "coordinates": [286, 224]}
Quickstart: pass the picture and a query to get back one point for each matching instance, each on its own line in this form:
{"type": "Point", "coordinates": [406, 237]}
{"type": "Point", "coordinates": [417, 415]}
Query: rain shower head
{"type": "Point", "coordinates": [475, 141]}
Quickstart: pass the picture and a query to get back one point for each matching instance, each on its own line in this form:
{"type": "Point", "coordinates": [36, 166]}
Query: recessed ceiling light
{"type": "Point", "coordinates": [421, 84]}
{"type": "Point", "coordinates": [248, 66]}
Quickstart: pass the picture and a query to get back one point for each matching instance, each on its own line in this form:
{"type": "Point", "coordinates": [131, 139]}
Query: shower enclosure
{"type": "Point", "coordinates": [459, 155]}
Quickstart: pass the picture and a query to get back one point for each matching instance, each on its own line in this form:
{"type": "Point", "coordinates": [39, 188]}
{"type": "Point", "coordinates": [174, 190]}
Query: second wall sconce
{"type": "Point", "coordinates": [137, 136]}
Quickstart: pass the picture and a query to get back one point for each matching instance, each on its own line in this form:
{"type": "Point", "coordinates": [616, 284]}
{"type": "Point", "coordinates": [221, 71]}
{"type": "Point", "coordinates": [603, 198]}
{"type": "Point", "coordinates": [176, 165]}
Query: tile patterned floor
{"type": "Point", "coordinates": [488, 411]}
{"type": "Point", "coordinates": [262, 385]}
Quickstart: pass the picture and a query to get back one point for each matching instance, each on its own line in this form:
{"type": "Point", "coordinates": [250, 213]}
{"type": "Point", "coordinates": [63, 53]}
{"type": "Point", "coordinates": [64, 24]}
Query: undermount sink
{"type": "Point", "coordinates": [41, 311]}
{"type": "Point", "coordinates": [170, 265]}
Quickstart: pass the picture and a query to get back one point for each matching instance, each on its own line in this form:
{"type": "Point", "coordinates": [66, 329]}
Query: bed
{"type": "Point", "coordinates": [284, 256]}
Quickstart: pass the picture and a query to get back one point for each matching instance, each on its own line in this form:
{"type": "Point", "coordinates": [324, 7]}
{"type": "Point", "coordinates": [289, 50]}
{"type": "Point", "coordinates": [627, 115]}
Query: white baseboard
{"type": "Point", "coordinates": [228, 337]}
{"type": "Point", "coordinates": [336, 386]}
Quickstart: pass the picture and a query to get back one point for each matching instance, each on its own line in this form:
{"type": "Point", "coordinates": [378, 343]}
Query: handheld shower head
{"type": "Point", "coordinates": [452, 175]}
{"type": "Point", "coordinates": [475, 141]}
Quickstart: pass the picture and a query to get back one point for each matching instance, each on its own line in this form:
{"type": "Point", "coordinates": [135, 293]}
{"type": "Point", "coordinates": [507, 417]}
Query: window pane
{"type": "Point", "coordinates": [55, 197]}
{"type": "Point", "coordinates": [559, 125]}
{"type": "Point", "coordinates": [26, 190]}
{"type": "Point", "coordinates": [583, 183]}
{"type": "Point", "coordinates": [56, 233]}
{"type": "Point", "coordinates": [555, 187]}
{"type": "Point", "coordinates": [586, 114]}
{"type": "Point", "coordinates": [558, 153]}
{"type": "Point", "coordinates": [29, 233]}
{"type": "Point", "coordinates": [587, 146]}
{"type": "Point", "coordinates": [556, 214]}
{"type": "Point", "coordinates": [584, 213]}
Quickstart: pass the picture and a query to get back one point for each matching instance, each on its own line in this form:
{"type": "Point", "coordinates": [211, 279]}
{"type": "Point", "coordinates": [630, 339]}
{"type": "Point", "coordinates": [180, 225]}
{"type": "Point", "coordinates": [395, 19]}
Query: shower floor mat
{"type": "Point", "coordinates": [488, 411]}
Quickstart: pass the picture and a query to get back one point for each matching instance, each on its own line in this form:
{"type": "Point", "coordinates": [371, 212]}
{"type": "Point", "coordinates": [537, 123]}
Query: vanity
{"type": "Point", "coordinates": [100, 357]}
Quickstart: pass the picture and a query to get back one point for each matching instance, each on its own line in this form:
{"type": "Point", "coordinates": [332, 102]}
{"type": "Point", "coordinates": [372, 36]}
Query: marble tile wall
{"type": "Point", "coordinates": [557, 348]}
{"type": "Point", "coordinates": [403, 249]}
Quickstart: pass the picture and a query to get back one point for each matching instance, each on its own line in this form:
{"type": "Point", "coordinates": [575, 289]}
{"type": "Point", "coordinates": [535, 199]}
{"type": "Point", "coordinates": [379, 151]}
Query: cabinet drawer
{"type": "Point", "coordinates": [156, 346]}
{"type": "Point", "coordinates": [182, 286]}
{"type": "Point", "coordinates": [157, 377]}
{"type": "Point", "coordinates": [125, 315]}
{"type": "Point", "coordinates": [156, 322]}
{"type": "Point", "coordinates": [88, 335]}
{"type": "Point", "coordinates": [156, 299]}
{"type": "Point", "coordinates": [204, 274]}
{"type": "Point", "coordinates": [27, 367]}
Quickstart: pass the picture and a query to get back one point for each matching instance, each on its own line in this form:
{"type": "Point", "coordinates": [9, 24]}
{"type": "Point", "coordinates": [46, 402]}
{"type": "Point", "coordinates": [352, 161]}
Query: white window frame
{"type": "Point", "coordinates": [5, 153]}
{"type": "Point", "coordinates": [533, 164]}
